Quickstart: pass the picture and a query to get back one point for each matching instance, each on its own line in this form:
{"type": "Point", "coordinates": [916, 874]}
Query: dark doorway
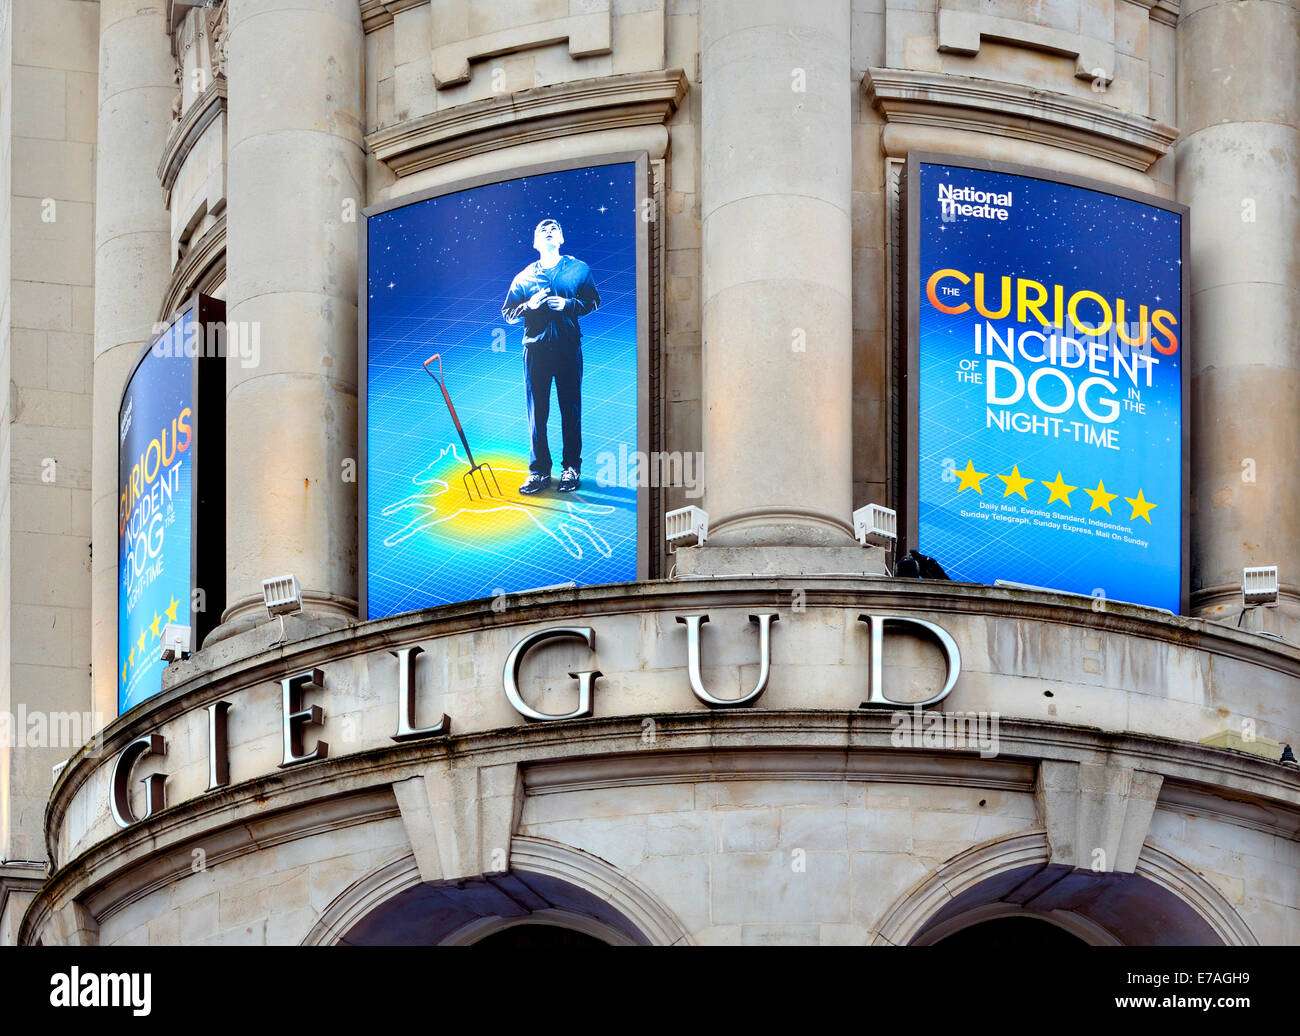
{"type": "Point", "coordinates": [1011, 933]}
{"type": "Point", "coordinates": [538, 936]}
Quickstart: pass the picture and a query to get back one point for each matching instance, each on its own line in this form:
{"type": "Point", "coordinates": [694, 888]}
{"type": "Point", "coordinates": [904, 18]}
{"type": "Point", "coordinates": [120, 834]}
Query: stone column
{"type": "Point", "coordinates": [1238, 167]}
{"type": "Point", "coordinates": [132, 239]}
{"type": "Point", "coordinates": [296, 179]}
{"type": "Point", "coordinates": [776, 131]}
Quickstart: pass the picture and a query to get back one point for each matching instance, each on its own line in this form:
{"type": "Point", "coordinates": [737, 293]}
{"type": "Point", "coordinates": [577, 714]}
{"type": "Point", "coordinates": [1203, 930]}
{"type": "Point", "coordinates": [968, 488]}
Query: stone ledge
{"type": "Point", "coordinates": [961, 32]}
{"type": "Point", "coordinates": [543, 113]}
{"type": "Point", "coordinates": [793, 762]}
{"type": "Point", "coordinates": [1020, 112]}
{"type": "Point", "coordinates": [211, 103]}
{"type": "Point", "coordinates": [707, 561]}
{"type": "Point", "coordinates": [1243, 810]}
{"type": "Point", "coordinates": [589, 32]}
{"type": "Point", "coordinates": [1264, 747]}
{"type": "Point", "coordinates": [830, 744]}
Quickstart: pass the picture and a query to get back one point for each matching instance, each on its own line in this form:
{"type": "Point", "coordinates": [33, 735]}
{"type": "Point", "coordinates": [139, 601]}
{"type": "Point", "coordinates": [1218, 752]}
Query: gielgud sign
{"type": "Point", "coordinates": [296, 717]}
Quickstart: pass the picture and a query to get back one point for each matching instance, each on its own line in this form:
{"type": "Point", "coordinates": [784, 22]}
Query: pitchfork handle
{"type": "Point", "coordinates": [455, 419]}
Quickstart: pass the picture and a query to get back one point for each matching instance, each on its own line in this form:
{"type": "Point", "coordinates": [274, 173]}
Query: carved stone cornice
{"type": "Point", "coordinates": [178, 9]}
{"type": "Point", "coordinates": [211, 103]}
{"type": "Point", "coordinates": [1021, 112]}
{"type": "Point", "coordinates": [1166, 12]}
{"type": "Point", "coordinates": [722, 746]}
{"type": "Point", "coordinates": [608, 102]}
{"type": "Point", "coordinates": [201, 268]}
{"type": "Point", "coordinates": [375, 14]}
{"type": "Point", "coordinates": [1163, 11]}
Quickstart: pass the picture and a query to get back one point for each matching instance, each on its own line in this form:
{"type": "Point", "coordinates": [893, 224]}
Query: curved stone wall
{"type": "Point", "coordinates": [1080, 726]}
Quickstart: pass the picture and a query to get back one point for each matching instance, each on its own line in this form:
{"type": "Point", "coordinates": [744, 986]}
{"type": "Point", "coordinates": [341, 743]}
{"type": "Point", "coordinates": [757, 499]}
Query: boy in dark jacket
{"type": "Point", "coordinates": [549, 296]}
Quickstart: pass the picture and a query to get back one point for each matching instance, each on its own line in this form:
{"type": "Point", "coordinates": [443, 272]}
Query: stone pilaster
{"type": "Point", "coordinates": [296, 178]}
{"type": "Point", "coordinates": [1238, 167]}
{"type": "Point", "coordinates": [132, 234]}
{"type": "Point", "coordinates": [777, 322]}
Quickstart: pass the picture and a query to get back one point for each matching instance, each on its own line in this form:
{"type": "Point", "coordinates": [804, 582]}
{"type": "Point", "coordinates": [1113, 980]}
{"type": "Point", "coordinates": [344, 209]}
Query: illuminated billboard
{"type": "Point", "coordinates": [1045, 422]}
{"type": "Point", "coordinates": [503, 363]}
{"type": "Point", "coordinates": [171, 504]}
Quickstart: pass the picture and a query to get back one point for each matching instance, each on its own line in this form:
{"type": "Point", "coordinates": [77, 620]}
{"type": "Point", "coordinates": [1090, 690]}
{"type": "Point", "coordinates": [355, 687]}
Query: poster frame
{"type": "Point", "coordinates": [644, 285]}
{"type": "Point", "coordinates": [208, 466]}
{"type": "Point", "coordinates": [910, 261]}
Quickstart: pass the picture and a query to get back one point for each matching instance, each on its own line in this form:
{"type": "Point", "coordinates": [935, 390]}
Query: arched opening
{"type": "Point", "coordinates": [549, 884]}
{"type": "Point", "coordinates": [1044, 905]}
{"type": "Point", "coordinates": [1163, 903]}
{"type": "Point", "coordinates": [515, 909]}
{"type": "Point", "coordinates": [1010, 933]}
{"type": "Point", "coordinates": [534, 936]}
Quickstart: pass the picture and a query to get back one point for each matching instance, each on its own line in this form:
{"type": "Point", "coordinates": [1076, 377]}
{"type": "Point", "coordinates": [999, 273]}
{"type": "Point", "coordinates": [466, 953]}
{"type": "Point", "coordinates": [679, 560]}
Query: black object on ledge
{"type": "Point", "coordinates": [916, 565]}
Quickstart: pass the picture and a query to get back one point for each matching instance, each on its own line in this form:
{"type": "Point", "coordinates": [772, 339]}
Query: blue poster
{"type": "Point", "coordinates": [501, 390]}
{"type": "Point", "coordinates": [155, 510]}
{"type": "Point", "coordinates": [1049, 386]}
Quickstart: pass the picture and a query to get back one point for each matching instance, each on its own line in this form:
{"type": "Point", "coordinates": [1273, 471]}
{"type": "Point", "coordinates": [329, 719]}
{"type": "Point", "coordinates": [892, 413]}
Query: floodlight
{"type": "Point", "coordinates": [875, 526]}
{"type": "Point", "coordinates": [175, 642]}
{"type": "Point", "coordinates": [686, 527]}
{"type": "Point", "coordinates": [1259, 585]}
{"type": "Point", "coordinates": [282, 595]}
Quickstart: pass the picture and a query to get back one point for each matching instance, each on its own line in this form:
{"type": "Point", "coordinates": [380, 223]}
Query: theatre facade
{"type": "Point", "coordinates": [289, 284]}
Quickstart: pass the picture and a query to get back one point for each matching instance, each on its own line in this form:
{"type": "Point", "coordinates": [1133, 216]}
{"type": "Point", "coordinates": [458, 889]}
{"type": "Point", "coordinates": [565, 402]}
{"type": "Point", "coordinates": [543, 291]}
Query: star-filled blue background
{"type": "Point", "coordinates": [160, 389]}
{"type": "Point", "coordinates": [438, 274]}
{"type": "Point", "coordinates": [1080, 239]}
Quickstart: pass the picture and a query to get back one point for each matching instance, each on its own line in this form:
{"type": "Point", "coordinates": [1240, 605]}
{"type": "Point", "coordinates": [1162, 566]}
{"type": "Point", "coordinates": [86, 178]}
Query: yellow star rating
{"type": "Point", "coordinates": [970, 478]}
{"type": "Point", "coordinates": [171, 610]}
{"type": "Point", "coordinates": [1059, 490]}
{"type": "Point", "coordinates": [1100, 498]}
{"type": "Point", "coordinates": [131, 658]}
{"type": "Point", "coordinates": [153, 626]}
{"type": "Point", "coordinates": [1141, 507]}
{"type": "Point", "coordinates": [1016, 483]}
{"type": "Point", "coordinates": [141, 642]}
{"type": "Point", "coordinates": [124, 672]}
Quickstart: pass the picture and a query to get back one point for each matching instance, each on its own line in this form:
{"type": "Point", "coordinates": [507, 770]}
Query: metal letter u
{"type": "Point", "coordinates": [693, 624]}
